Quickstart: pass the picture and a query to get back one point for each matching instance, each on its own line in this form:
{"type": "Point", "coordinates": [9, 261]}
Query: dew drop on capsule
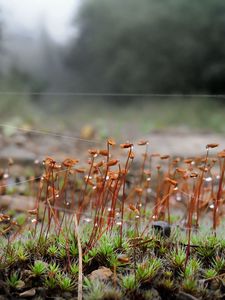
{"type": "Point", "coordinates": [178, 197]}
{"type": "Point", "coordinates": [88, 220]}
{"type": "Point", "coordinates": [149, 190]}
{"type": "Point", "coordinates": [208, 179]}
{"type": "Point", "coordinates": [211, 206]}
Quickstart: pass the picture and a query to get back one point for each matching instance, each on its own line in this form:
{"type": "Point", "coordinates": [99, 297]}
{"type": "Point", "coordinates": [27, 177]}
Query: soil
{"type": "Point", "coordinates": [25, 147]}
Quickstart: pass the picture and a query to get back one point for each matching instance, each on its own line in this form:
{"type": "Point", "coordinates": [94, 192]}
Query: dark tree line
{"type": "Point", "coordinates": [160, 46]}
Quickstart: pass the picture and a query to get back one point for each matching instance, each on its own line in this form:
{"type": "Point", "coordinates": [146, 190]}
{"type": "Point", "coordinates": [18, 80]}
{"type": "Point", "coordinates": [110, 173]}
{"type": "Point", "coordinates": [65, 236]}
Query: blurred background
{"type": "Point", "coordinates": [98, 68]}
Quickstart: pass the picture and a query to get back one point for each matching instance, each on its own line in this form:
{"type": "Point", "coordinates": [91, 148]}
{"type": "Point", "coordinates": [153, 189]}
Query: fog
{"type": "Point", "coordinates": [27, 17]}
{"type": "Point", "coordinates": [69, 57]}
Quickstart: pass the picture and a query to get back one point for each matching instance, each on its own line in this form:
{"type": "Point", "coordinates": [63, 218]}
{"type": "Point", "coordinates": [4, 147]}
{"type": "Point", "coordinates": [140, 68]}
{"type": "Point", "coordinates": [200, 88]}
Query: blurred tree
{"type": "Point", "coordinates": [160, 46]}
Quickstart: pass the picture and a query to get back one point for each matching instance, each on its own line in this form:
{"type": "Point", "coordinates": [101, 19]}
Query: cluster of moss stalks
{"type": "Point", "coordinates": [152, 266]}
{"type": "Point", "coordinates": [118, 252]}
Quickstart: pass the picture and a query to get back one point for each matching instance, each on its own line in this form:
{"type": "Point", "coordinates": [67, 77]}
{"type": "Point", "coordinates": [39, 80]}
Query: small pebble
{"type": "Point", "coordinates": [162, 227]}
{"type": "Point", "coordinates": [28, 293]}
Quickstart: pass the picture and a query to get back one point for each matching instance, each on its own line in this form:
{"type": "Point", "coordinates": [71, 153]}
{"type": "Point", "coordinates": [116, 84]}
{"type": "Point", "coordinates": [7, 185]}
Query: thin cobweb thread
{"type": "Point", "coordinates": [75, 138]}
{"type": "Point", "coordinates": [112, 94]}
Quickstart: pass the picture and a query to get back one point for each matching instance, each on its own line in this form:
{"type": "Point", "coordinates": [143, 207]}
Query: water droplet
{"type": "Point", "coordinates": [208, 179]}
{"type": "Point", "coordinates": [137, 217]}
{"type": "Point", "coordinates": [57, 195]}
{"type": "Point", "coordinates": [6, 176]}
{"type": "Point", "coordinates": [154, 217]}
{"type": "Point", "coordinates": [119, 223]}
{"type": "Point", "coordinates": [95, 155]}
{"type": "Point", "coordinates": [217, 176]}
{"type": "Point", "coordinates": [34, 221]}
{"type": "Point", "coordinates": [109, 209]}
{"type": "Point", "coordinates": [88, 220]}
{"type": "Point", "coordinates": [195, 216]}
{"type": "Point", "coordinates": [148, 179]}
{"type": "Point", "coordinates": [149, 190]}
{"type": "Point", "coordinates": [176, 188]}
{"type": "Point", "coordinates": [211, 206]}
{"type": "Point", "coordinates": [178, 197]}
{"type": "Point", "coordinates": [36, 162]}
{"type": "Point", "coordinates": [94, 187]}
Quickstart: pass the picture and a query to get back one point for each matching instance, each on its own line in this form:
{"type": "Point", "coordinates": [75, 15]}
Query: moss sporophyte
{"type": "Point", "coordinates": [114, 228]}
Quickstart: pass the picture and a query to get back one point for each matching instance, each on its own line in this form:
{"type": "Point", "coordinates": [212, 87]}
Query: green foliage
{"type": "Point", "coordinates": [20, 252]}
{"type": "Point", "coordinates": [50, 282]}
{"type": "Point", "coordinates": [62, 246]}
{"type": "Point", "coordinates": [210, 273]}
{"type": "Point", "coordinates": [189, 285]}
{"type": "Point", "coordinates": [65, 283]}
{"type": "Point", "coordinates": [178, 257]}
{"type": "Point", "coordinates": [152, 268]}
{"type": "Point", "coordinates": [74, 269]}
{"type": "Point", "coordinates": [13, 280]}
{"type": "Point", "coordinates": [86, 259]}
{"type": "Point", "coordinates": [94, 290]}
{"type": "Point", "coordinates": [129, 282]}
{"type": "Point", "coordinates": [62, 253]}
{"type": "Point", "coordinates": [207, 248]}
{"type": "Point", "coordinates": [30, 245]}
{"type": "Point", "coordinates": [38, 268]}
{"type": "Point", "coordinates": [147, 270]}
{"type": "Point", "coordinates": [105, 246]}
{"type": "Point", "coordinates": [51, 276]}
{"type": "Point", "coordinates": [149, 46]}
{"type": "Point", "coordinates": [53, 250]}
{"type": "Point", "coordinates": [192, 268]}
{"type": "Point", "coordinates": [103, 252]}
{"type": "Point", "coordinates": [10, 257]}
{"type": "Point", "coordinates": [42, 244]}
{"type": "Point", "coordinates": [218, 264]}
{"type": "Point", "coordinates": [53, 269]}
{"type": "Point", "coordinates": [73, 249]}
{"type": "Point", "coordinates": [168, 284]}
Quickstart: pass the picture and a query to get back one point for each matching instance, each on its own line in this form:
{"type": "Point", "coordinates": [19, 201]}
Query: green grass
{"type": "Point", "coordinates": [138, 117]}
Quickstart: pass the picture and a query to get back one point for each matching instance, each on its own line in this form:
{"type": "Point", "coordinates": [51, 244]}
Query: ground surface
{"type": "Point", "coordinates": [25, 146]}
